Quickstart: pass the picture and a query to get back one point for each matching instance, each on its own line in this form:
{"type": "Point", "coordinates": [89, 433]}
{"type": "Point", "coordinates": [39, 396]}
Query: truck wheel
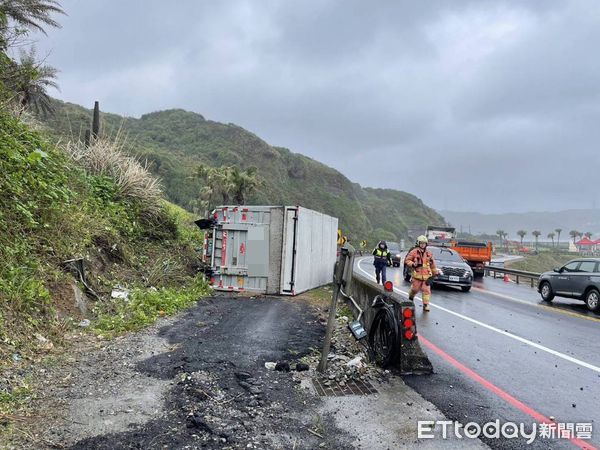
{"type": "Point", "coordinates": [592, 300]}
{"type": "Point", "coordinates": [465, 288]}
{"type": "Point", "coordinates": [546, 292]}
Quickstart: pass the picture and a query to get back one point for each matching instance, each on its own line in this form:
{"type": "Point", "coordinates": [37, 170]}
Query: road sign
{"type": "Point", "coordinates": [341, 239]}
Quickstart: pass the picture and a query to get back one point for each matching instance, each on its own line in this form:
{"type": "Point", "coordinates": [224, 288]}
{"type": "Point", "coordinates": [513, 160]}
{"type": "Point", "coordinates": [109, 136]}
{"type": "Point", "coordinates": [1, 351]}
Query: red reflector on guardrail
{"type": "Point", "coordinates": [388, 286]}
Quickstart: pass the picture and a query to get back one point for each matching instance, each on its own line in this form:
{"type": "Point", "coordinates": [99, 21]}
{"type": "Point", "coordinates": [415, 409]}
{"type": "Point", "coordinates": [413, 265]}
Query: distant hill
{"type": "Point", "coordinates": [575, 219]}
{"type": "Point", "coordinates": [177, 141]}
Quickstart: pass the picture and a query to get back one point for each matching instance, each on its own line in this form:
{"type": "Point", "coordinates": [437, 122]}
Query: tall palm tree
{"type": "Point", "coordinates": [227, 184]}
{"type": "Point", "coordinates": [31, 82]}
{"type": "Point", "coordinates": [243, 183]}
{"type": "Point", "coordinates": [536, 234]}
{"type": "Point", "coordinates": [558, 231]}
{"type": "Point", "coordinates": [588, 234]}
{"type": "Point", "coordinates": [19, 17]}
{"type": "Point", "coordinates": [521, 234]}
{"type": "Point", "coordinates": [500, 233]}
{"type": "Point", "coordinates": [551, 236]}
{"type": "Point", "coordinates": [33, 14]}
{"type": "Point", "coordinates": [574, 234]}
{"type": "Point", "coordinates": [214, 189]}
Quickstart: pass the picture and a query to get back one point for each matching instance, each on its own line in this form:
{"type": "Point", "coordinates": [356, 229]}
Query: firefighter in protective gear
{"type": "Point", "coordinates": [382, 260]}
{"type": "Point", "coordinates": [423, 269]}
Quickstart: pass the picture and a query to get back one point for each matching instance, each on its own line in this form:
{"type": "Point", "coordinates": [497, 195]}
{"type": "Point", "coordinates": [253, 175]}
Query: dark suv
{"type": "Point", "coordinates": [455, 270]}
{"type": "Point", "coordinates": [578, 279]}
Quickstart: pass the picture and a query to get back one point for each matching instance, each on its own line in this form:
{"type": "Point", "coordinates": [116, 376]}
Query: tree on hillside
{"type": "Point", "coordinates": [551, 236]}
{"type": "Point", "coordinates": [30, 81]}
{"type": "Point", "coordinates": [227, 184]}
{"type": "Point", "coordinates": [214, 189]}
{"type": "Point", "coordinates": [243, 183]}
{"type": "Point", "coordinates": [521, 234]}
{"type": "Point", "coordinates": [32, 14]}
{"type": "Point", "coordinates": [536, 234]}
{"type": "Point", "coordinates": [27, 81]}
{"type": "Point", "coordinates": [18, 17]}
{"type": "Point", "coordinates": [558, 231]}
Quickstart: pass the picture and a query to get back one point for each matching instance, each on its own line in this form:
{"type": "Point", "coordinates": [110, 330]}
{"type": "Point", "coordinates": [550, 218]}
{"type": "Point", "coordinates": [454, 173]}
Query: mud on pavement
{"type": "Point", "coordinates": [222, 394]}
{"type": "Point", "coordinates": [198, 381]}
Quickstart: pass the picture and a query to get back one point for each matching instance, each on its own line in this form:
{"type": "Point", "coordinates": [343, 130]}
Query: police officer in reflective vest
{"type": "Point", "coordinates": [382, 259]}
{"type": "Point", "coordinates": [423, 269]}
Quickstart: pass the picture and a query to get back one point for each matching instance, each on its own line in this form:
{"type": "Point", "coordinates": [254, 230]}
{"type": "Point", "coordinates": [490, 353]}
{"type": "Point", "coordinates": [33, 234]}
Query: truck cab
{"type": "Point", "coordinates": [476, 254]}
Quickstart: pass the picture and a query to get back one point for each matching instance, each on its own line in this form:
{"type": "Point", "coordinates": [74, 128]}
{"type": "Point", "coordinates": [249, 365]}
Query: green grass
{"type": "Point", "coordinates": [543, 261]}
{"type": "Point", "coordinates": [144, 306]}
{"type": "Point", "coordinates": [15, 397]}
{"type": "Point", "coordinates": [322, 293]}
{"type": "Point", "coordinates": [344, 310]}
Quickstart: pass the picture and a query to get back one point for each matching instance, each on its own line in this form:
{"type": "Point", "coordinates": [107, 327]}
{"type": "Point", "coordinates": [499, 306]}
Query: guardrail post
{"type": "Point", "coordinates": [517, 279]}
{"type": "Point", "coordinates": [340, 270]}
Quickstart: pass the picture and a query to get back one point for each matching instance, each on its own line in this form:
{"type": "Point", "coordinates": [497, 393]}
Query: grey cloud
{"type": "Point", "coordinates": [467, 104]}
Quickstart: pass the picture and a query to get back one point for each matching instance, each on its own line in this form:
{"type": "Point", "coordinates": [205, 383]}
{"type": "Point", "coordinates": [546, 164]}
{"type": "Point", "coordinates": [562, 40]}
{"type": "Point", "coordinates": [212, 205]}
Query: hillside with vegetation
{"type": "Point", "coordinates": [103, 209]}
{"type": "Point", "coordinates": [175, 142]}
{"type": "Point", "coordinates": [77, 221]}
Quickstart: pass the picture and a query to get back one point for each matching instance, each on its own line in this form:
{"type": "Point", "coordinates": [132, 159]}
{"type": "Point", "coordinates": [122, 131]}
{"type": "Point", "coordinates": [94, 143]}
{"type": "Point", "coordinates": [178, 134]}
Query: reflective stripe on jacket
{"type": "Point", "coordinates": [425, 262]}
{"type": "Point", "coordinates": [381, 256]}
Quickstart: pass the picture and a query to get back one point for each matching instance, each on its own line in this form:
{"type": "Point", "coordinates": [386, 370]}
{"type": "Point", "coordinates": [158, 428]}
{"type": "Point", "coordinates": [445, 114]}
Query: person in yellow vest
{"type": "Point", "coordinates": [382, 260]}
{"type": "Point", "coordinates": [423, 269]}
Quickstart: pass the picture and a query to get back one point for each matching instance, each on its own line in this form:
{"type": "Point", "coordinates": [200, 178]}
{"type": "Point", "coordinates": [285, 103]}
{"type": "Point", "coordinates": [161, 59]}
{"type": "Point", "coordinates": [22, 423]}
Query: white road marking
{"type": "Point", "coordinates": [497, 330]}
{"type": "Point", "coordinates": [504, 296]}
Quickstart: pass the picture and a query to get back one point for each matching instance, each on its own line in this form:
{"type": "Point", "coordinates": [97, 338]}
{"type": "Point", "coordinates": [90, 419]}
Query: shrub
{"type": "Point", "coordinates": [105, 157]}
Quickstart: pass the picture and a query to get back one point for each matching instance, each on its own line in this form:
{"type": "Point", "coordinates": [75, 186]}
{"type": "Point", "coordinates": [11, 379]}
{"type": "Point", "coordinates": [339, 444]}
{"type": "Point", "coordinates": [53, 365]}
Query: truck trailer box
{"type": "Point", "coordinates": [269, 249]}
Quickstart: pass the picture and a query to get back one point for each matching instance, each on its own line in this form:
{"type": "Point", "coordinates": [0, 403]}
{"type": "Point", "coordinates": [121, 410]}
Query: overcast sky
{"type": "Point", "coordinates": [486, 106]}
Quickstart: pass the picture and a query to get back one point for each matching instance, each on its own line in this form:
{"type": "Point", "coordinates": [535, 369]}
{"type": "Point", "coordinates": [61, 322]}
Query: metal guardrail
{"type": "Point", "coordinates": [533, 277]}
{"type": "Point", "coordinates": [383, 318]}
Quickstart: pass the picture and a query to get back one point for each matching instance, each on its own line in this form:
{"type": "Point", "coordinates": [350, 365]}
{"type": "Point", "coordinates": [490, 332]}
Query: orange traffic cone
{"type": "Point", "coordinates": [506, 278]}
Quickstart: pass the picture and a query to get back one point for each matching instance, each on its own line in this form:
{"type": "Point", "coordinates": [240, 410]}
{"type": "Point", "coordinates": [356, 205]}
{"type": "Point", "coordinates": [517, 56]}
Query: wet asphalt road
{"type": "Point", "coordinates": [547, 357]}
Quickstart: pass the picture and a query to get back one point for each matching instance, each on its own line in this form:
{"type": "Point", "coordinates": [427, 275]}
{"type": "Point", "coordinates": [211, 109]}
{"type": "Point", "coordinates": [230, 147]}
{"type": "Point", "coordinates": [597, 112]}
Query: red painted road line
{"type": "Point", "coordinates": [499, 392]}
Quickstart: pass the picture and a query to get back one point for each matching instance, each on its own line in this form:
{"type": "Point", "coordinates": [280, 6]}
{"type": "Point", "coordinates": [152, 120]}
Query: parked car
{"type": "Point", "coordinates": [455, 270]}
{"type": "Point", "coordinates": [579, 279]}
{"type": "Point", "coordinates": [396, 253]}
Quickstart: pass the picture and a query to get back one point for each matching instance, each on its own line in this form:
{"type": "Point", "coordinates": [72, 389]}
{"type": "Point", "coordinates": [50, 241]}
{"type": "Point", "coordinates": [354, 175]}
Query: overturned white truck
{"type": "Point", "coordinates": [269, 249]}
